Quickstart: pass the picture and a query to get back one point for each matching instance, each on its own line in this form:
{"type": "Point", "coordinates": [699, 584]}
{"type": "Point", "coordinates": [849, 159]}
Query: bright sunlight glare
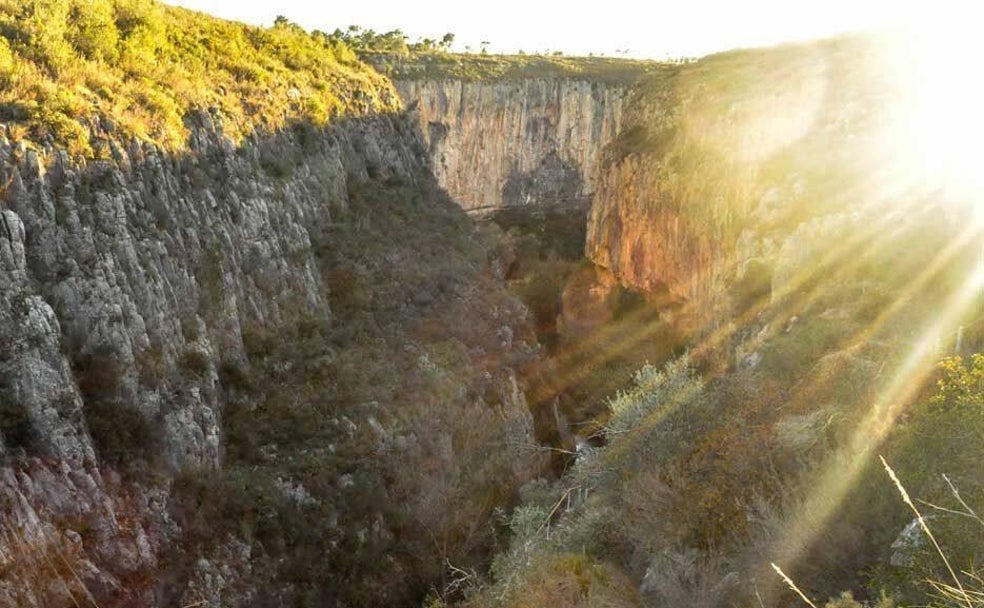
{"type": "Point", "coordinates": [943, 122]}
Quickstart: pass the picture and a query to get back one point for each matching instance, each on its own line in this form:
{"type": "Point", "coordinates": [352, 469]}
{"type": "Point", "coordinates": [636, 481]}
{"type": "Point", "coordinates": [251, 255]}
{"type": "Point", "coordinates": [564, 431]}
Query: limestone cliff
{"type": "Point", "coordinates": [199, 349]}
{"type": "Point", "coordinates": [719, 160]}
{"type": "Point", "coordinates": [525, 142]}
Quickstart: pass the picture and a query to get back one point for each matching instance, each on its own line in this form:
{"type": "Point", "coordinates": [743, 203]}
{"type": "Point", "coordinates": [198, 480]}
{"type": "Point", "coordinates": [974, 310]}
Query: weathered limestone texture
{"type": "Point", "coordinates": [127, 286]}
{"type": "Point", "coordinates": [516, 142]}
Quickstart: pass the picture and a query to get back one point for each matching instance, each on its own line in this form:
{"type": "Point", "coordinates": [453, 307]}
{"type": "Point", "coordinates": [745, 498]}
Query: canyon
{"type": "Point", "coordinates": [381, 358]}
{"type": "Point", "coordinates": [150, 300]}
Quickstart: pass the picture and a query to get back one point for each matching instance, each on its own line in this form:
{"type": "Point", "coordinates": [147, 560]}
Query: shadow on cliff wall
{"type": "Point", "coordinates": [292, 356]}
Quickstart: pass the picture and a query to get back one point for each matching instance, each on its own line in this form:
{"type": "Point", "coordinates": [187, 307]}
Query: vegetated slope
{"type": "Point", "coordinates": [771, 189]}
{"type": "Point", "coordinates": [71, 70]}
{"type": "Point", "coordinates": [760, 139]}
{"type": "Point", "coordinates": [246, 358]}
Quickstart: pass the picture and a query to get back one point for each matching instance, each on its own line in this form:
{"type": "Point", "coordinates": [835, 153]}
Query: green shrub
{"type": "Point", "coordinates": [575, 581]}
{"type": "Point", "coordinates": [123, 436]}
{"type": "Point", "coordinates": [195, 361]}
{"type": "Point", "coordinates": [654, 391]}
{"type": "Point", "coordinates": [232, 374]}
{"type": "Point", "coordinates": [151, 367]}
{"type": "Point", "coordinates": [259, 342]}
{"type": "Point", "coordinates": [846, 600]}
{"type": "Point", "coordinates": [147, 66]}
{"type": "Point", "coordinates": [16, 427]}
{"type": "Point", "coordinates": [945, 437]}
{"type": "Point", "coordinates": [92, 31]}
{"type": "Point", "coordinates": [276, 164]}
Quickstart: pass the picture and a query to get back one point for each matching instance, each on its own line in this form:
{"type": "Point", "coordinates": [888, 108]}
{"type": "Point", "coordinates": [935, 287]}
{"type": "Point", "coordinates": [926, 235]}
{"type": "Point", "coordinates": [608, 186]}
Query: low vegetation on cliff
{"type": "Point", "coordinates": [366, 450]}
{"type": "Point", "coordinates": [433, 65]}
{"type": "Point", "coordinates": [707, 478]}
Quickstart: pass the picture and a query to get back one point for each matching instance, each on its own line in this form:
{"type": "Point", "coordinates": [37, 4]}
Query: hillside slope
{"type": "Point", "coordinates": [84, 75]}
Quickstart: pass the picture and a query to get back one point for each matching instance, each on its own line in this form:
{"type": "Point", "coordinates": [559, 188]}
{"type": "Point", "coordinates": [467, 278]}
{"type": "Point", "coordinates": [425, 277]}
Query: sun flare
{"type": "Point", "coordinates": [941, 119]}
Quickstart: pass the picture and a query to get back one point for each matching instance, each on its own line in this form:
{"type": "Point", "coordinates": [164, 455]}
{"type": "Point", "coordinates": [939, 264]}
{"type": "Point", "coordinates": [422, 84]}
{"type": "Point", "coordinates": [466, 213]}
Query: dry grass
{"type": "Point", "coordinates": [43, 566]}
{"type": "Point", "coordinates": [967, 591]}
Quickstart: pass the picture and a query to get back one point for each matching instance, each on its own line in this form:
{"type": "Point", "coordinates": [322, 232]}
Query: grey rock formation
{"type": "Point", "coordinates": [127, 287]}
{"type": "Point", "coordinates": [517, 142]}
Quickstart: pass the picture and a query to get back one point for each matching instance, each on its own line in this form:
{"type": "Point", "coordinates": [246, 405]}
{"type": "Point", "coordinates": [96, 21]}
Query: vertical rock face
{"type": "Point", "coordinates": [647, 245]}
{"type": "Point", "coordinates": [139, 299]}
{"type": "Point", "coordinates": [139, 266]}
{"type": "Point", "coordinates": [718, 161]}
{"type": "Point", "coordinates": [520, 142]}
{"type": "Point", "coordinates": [37, 397]}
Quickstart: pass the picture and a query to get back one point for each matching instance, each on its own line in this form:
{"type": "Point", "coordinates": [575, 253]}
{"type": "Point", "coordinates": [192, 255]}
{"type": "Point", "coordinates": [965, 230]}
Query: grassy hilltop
{"type": "Point", "coordinates": [73, 70]}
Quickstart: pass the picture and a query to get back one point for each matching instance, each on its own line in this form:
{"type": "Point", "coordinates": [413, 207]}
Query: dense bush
{"type": "Point", "coordinates": [195, 362]}
{"type": "Point", "coordinates": [16, 427]}
{"type": "Point", "coordinates": [123, 436]}
{"type": "Point", "coordinates": [938, 456]}
{"type": "Point", "coordinates": [721, 470]}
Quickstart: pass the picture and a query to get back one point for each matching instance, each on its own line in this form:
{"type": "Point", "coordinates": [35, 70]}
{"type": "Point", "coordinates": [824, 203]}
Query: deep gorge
{"type": "Point", "coordinates": [167, 303]}
{"type": "Point", "coordinates": [467, 330]}
{"type": "Point", "coordinates": [526, 156]}
{"type": "Point", "coordinates": [182, 332]}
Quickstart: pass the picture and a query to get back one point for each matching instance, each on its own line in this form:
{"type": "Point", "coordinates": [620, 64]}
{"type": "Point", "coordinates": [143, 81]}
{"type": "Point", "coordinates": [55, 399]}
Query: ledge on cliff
{"type": "Point", "coordinates": [489, 68]}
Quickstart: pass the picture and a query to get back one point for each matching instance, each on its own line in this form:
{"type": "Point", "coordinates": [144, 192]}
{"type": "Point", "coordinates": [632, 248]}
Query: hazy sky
{"type": "Point", "coordinates": [655, 29]}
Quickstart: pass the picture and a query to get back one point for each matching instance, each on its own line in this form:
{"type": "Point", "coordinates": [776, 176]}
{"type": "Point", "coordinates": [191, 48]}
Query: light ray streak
{"type": "Point", "coordinates": [841, 471]}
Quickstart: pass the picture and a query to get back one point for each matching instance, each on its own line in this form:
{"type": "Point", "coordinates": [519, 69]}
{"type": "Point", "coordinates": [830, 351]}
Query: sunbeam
{"type": "Point", "coordinates": [839, 475]}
